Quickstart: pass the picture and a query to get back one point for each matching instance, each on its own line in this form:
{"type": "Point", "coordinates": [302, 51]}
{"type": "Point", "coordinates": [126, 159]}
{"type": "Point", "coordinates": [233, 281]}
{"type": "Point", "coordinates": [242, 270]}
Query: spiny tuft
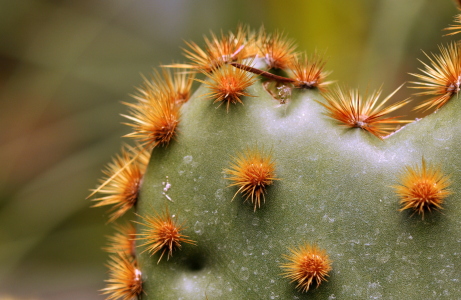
{"type": "Point", "coordinates": [162, 233]}
{"type": "Point", "coordinates": [308, 72]}
{"type": "Point", "coordinates": [154, 117]}
{"type": "Point", "coordinates": [277, 50]}
{"type": "Point", "coordinates": [219, 50]}
{"type": "Point", "coordinates": [123, 240]}
{"type": "Point", "coordinates": [422, 188]}
{"type": "Point", "coordinates": [306, 264]}
{"type": "Point", "coordinates": [124, 176]}
{"type": "Point", "coordinates": [252, 171]}
{"type": "Point", "coordinates": [441, 79]}
{"type": "Point", "coordinates": [228, 85]}
{"type": "Point", "coordinates": [124, 281]}
{"type": "Point", "coordinates": [353, 110]}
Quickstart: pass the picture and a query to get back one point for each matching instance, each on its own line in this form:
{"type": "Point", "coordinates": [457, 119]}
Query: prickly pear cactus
{"type": "Point", "coordinates": [269, 182]}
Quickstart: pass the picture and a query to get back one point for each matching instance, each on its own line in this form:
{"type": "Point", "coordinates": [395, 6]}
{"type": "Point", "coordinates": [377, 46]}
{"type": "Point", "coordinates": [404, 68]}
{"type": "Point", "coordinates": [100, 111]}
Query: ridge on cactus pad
{"type": "Point", "coordinates": [331, 223]}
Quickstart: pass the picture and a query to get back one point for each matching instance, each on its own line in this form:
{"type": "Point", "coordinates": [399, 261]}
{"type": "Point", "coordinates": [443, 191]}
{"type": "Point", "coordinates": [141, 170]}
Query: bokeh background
{"type": "Point", "coordinates": [66, 65]}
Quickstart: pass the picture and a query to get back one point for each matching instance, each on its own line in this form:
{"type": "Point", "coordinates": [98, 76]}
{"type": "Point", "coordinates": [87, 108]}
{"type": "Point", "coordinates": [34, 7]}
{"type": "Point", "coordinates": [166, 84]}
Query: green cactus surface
{"type": "Point", "coordinates": [335, 187]}
{"type": "Point", "coordinates": [335, 190]}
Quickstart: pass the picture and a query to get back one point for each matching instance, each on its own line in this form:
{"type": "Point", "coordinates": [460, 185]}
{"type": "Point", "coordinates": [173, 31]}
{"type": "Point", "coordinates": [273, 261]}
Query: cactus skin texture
{"type": "Point", "coordinates": [335, 188]}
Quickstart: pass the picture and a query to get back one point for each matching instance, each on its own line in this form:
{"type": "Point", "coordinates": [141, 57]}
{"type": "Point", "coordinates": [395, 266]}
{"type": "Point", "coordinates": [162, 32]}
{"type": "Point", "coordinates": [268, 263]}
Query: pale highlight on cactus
{"type": "Point", "coordinates": [422, 188]}
{"type": "Point", "coordinates": [441, 78]}
{"type": "Point", "coordinates": [306, 264]}
{"type": "Point", "coordinates": [124, 176]}
{"type": "Point", "coordinates": [125, 282]}
{"type": "Point", "coordinates": [252, 171]}
{"type": "Point", "coordinates": [353, 110]}
{"type": "Point", "coordinates": [228, 85]}
{"type": "Point", "coordinates": [162, 233]}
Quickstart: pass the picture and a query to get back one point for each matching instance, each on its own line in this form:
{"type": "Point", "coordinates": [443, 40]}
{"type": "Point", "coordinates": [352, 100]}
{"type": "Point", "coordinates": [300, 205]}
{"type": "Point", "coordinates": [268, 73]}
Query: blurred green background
{"type": "Point", "coordinates": [66, 65]}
